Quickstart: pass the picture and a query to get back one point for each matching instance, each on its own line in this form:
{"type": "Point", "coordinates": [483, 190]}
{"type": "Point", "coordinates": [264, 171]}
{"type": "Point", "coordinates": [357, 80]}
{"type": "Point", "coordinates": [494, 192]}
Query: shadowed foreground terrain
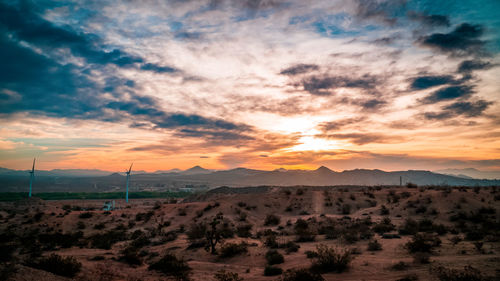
{"type": "Point", "coordinates": [264, 233]}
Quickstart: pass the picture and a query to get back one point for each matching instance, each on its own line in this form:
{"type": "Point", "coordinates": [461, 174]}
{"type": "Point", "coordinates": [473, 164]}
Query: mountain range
{"type": "Point", "coordinates": [97, 180]}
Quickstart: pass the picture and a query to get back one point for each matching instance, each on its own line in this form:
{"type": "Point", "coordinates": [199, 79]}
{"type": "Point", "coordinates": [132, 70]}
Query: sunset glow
{"type": "Point", "coordinates": [257, 84]}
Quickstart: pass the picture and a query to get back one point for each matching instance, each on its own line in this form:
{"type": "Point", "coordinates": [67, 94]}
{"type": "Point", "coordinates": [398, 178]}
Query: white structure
{"type": "Point", "coordinates": [128, 179]}
{"type": "Point", "coordinates": [32, 176]}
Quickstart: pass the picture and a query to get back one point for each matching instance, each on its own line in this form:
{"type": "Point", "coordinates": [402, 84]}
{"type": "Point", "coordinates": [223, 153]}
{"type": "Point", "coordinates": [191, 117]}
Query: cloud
{"type": "Point", "coordinates": [468, 66]}
{"type": "Point", "coordinates": [384, 11]}
{"type": "Point", "coordinates": [425, 82]}
{"type": "Point", "coordinates": [465, 108]}
{"type": "Point", "coordinates": [322, 85]}
{"type": "Point", "coordinates": [22, 23]}
{"type": "Point", "coordinates": [387, 40]}
{"type": "Point", "coordinates": [463, 40]}
{"type": "Point", "coordinates": [429, 20]}
{"type": "Point", "coordinates": [363, 138]}
{"type": "Point", "coordinates": [299, 69]}
{"type": "Point", "coordinates": [340, 124]}
{"type": "Point", "coordinates": [449, 93]}
{"type": "Point", "coordinates": [157, 68]}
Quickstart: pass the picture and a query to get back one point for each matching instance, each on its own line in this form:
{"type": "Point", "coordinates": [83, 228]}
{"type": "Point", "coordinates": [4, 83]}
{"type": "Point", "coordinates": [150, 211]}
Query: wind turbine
{"type": "Point", "coordinates": [32, 176]}
{"type": "Point", "coordinates": [128, 179]}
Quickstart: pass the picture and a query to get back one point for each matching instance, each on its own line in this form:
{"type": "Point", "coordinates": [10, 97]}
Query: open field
{"type": "Point", "coordinates": [333, 233]}
{"type": "Point", "coordinates": [16, 196]}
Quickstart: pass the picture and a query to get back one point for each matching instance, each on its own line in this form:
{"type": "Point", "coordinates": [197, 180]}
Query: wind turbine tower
{"type": "Point", "coordinates": [128, 179]}
{"type": "Point", "coordinates": [32, 176]}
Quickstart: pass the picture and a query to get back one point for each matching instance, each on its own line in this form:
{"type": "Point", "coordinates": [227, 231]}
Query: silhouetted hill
{"type": "Point", "coordinates": [239, 177]}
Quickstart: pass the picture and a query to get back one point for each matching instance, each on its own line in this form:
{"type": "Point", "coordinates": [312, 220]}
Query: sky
{"type": "Point", "coordinates": [264, 84]}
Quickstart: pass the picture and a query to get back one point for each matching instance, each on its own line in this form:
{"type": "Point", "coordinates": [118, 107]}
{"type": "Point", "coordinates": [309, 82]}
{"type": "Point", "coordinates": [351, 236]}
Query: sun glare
{"type": "Point", "coordinates": [310, 143]}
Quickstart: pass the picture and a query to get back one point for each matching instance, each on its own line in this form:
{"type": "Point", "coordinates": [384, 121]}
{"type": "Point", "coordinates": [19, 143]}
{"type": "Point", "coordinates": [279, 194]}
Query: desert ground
{"type": "Point", "coordinates": [259, 233]}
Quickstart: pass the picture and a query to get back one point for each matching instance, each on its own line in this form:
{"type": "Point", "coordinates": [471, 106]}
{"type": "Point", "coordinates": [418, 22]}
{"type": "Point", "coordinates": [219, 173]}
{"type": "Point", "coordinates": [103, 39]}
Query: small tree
{"type": "Point", "coordinates": [213, 233]}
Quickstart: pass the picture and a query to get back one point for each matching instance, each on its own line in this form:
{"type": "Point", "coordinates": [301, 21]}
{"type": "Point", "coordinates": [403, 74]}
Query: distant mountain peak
{"type": "Point", "coordinates": [323, 169]}
{"type": "Point", "coordinates": [196, 170]}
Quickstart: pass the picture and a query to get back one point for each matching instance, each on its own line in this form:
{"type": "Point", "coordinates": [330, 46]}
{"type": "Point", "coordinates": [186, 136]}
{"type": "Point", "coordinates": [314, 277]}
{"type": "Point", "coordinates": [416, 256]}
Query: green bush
{"type": "Point", "coordinates": [274, 257]}
{"type": "Point", "coordinates": [58, 265]}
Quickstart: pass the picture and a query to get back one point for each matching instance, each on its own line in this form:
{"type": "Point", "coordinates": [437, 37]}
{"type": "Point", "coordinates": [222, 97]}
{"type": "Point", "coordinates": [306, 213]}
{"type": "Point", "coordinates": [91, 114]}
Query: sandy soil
{"type": "Point", "coordinates": [287, 203]}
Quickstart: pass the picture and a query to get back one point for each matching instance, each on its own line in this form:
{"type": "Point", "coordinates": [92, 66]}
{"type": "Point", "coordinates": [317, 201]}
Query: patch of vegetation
{"type": "Point", "coordinates": [274, 257]}
{"type": "Point", "coordinates": [229, 250]}
{"type": "Point", "coordinates": [52, 240]}
{"type": "Point", "coordinates": [130, 255]}
{"type": "Point", "coordinates": [108, 239]}
{"type": "Point", "coordinates": [170, 265]}
{"type": "Point", "coordinates": [423, 243]}
{"type": "Point", "coordinates": [304, 233]}
{"type": "Point", "coordinates": [400, 266]}
{"type": "Point", "coordinates": [272, 220]}
{"type": "Point", "coordinates": [223, 275]}
{"type": "Point", "coordinates": [330, 259]}
{"type": "Point", "coordinates": [384, 226]}
{"type": "Point", "coordinates": [469, 273]}
{"type": "Point", "coordinates": [244, 230]}
{"type": "Point", "coordinates": [64, 266]}
{"type": "Point", "coordinates": [270, 270]}
{"type": "Point", "coordinates": [374, 246]}
{"type": "Point", "coordinates": [301, 274]}
{"type": "Point", "coordinates": [16, 196]}
{"type": "Point", "coordinates": [85, 215]}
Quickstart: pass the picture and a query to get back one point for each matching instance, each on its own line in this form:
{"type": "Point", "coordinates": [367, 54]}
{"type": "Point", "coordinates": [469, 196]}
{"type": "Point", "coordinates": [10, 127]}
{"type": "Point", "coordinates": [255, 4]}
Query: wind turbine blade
{"type": "Point", "coordinates": [130, 169]}
{"type": "Point", "coordinates": [33, 169]}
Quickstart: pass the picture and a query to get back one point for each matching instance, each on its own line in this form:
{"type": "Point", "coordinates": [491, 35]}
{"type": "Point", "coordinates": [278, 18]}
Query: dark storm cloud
{"type": "Point", "coordinates": [425, 82]}
{"type": "Point", "coordinates": [463, 40]}
{"type": "Point", "coordinates": [322, 85]}
{"type": "Point", "coordinates": [22, 23]}
{"type": "Point", "coordinates": [468, 66]}
{"type": "Point", "coordinates": [463, 108]}
{"type": "Point", "coordinates": [299, 69]}
{"type": "Point", "coordinates": [449, 93]}
{"type": "Point", "coordinates": [429, 20]}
